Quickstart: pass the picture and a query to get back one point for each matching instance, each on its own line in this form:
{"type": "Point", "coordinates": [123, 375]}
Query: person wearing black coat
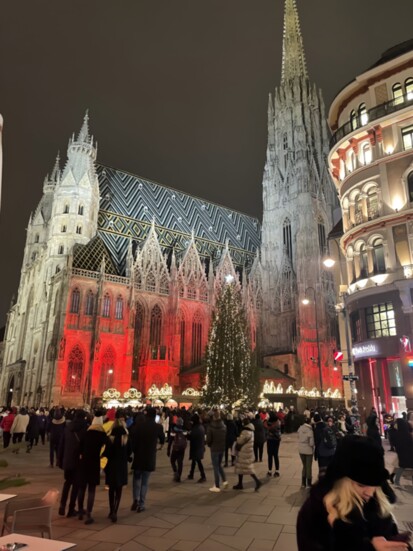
{"type": "Point", "coordinates": [373, 429]}
{"type": "Point", "coordinates": [90, 450]}
{"type": "Point", "coordinates": [232, 434]}
{"type": "Point", "coordinates": [118, 452]}
{"type": "Point", "coordinates": [145, 435]}
{"type": "Point", "coordinates": [32, 430]}
{"type": "Point", "coordinates": [403, 442]}
{"type": "Point", "coordinates": [69, 459]}
{"type": "Point", "coordinates": [348, 508]}
{"type": "Point", "coordinates": [196, 439]}
{"type": "Point", "coordinates": [42, 423]}
{"type": "Point", "coordinates": [56, 429]}
{"type": "Point", "coordinates": [259, 438]}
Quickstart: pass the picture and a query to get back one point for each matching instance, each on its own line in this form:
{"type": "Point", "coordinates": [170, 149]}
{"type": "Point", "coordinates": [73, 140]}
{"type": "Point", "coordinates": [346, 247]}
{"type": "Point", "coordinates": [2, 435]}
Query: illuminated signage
{"type": "Point", "coordinates": [366, 350]}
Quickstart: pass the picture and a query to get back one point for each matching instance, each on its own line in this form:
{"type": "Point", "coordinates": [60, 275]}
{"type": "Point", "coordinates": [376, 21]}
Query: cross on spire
{"type": "Point", "coordinates": [293, 60]}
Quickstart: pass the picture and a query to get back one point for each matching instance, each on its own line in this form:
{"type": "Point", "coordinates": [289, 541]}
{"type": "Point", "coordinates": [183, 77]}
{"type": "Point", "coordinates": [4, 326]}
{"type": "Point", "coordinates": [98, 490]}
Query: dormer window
{"type": "Point", "coordinates": [79, 230]}
{"type": "Point", "coordinates": [80, 210]}
{"type": "Point", "coordinates": [66, 209]}
{"type": "Point", "coordinates": [63, 230]}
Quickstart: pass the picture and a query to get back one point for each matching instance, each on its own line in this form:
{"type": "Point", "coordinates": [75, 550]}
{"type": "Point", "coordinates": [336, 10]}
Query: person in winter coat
{"type": "Point", "coordinates": [232, 434]}
{"type": "Point", "coordinates": [69, 461]}
{"type": "Point", "coordinates": [216, 441]}
{"type": "Point", "coordinates": [19, 426]}
{"type": "Point", "coordinates": [6, 424]}
{"type": "Point", "coordinates": [56, 429]}
{"type": "Point", "coordinates": [118, 451]}
{"type": "Point", "coordinates": [145, 435]}
{"type": "Point", "coordinates": [348, 508]}
{"type": "Point", "coordinates": [42, 423]}
{"type": "Point", "coordinates": [403, 442]}
{"type": "Point", "coordinates": [32, 430]}
{"type": "Point", "coordinates": [273, 428]}
{"type": "Point", "coordinates": [259, 437]}
{"type": "Point", "coordinates": [373, 429]}
{"type": "Point", "coordinates": [306, 451]}
{"type": "Point", "coordinates": [196, 439]}
{"type": "Point", "coordinates": [176, 448]}
{"type": "Point", "coordinates": [89, 467]}
{"type": "Point", "coordinates": [327, 446]}
{"type": "Point", "coordinates": [244, 462]}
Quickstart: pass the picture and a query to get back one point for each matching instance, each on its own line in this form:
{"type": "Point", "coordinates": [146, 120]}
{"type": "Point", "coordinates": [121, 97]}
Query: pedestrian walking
{"type": "Point", "coordinates": [196, 439]}
{"type": "Point", "coordinates": [244, 461]}
{"type": "Point", "coordinates": [306, 451]}
{"type": "Point", "coordinates": [273, 428]}
{"type": "Point", "coordinates": [259, 438]}
{"type": "Point", "coordinates": [32, 430]}
{"type": "Point", "coordinates": [403, 442]}
{"type": "Point", "coordinates": [231, 436]}
{"type": "Point", "coordinates": [144, 436]}
{"type": "Point", "coordinates": [19, 427]}
{"type": "Point", "coordinates": [56, 430]}
{"type": "Point", "coordinates": [42, 423]}
{"type": "Point", "coordinates": [176, 448]}
{"type": "Point", "coordinates": [216, 441]}
{"type": "Point", "coordinates": [373, 428]}
{"type": "Point", "coordinates": [6, 425]}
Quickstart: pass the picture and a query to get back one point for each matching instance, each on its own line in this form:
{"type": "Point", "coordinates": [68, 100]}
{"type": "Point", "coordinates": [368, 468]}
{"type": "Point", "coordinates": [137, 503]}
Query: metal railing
{"type": "Point", "coordinates": [382, 110]}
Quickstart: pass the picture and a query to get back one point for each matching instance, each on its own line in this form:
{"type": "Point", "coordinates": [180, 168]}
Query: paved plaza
{"type": "Point", "coordinates": [186, 516]}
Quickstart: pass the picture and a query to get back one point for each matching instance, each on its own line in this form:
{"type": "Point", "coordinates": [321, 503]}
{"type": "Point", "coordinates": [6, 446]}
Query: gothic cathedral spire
{"type": "Point", "coordinates": [293, 60]}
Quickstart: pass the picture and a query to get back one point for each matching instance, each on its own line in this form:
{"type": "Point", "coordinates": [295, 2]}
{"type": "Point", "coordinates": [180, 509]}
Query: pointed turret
{"type": "Point", "coordinates": [293, 60]}
{"type": "Point", "coordinates": [84, 131]}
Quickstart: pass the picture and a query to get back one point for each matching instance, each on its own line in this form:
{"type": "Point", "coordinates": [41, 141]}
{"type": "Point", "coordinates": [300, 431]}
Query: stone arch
{"type": "Point", "coordinates": [107, 368]}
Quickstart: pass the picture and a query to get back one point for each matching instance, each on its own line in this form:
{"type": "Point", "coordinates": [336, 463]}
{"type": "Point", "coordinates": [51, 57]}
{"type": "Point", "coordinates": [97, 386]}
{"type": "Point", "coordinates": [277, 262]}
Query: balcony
{"type": "Point", "coordinates": [375, 113]}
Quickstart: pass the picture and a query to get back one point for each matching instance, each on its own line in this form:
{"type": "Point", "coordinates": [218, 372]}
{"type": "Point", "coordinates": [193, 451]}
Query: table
{"type": "Point", "coordinates": [6, 497]}
{"type": "Point", "coordinates": [36, 544]}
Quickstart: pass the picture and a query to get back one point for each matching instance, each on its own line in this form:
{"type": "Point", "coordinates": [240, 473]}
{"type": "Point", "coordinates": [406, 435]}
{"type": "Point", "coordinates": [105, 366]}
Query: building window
{"type": "Point", "coordinates": [322, 238]}
{"type": "Point", "coordinates": [353, 120]}
{"type": "Point", "coordinates": [407, 137]}
{"type": "Point", "coordinates": [197, 339]}
{"type": "Point", "coordinates": [80, 210]}
{"type": "Point", "coordinates": [75, 370]}
{"type": "Point", "coordinates": [63, 230]}
{"type": "Point", "coordinates": [155, 328]}
{"type": "Point", "coordinates": [150, 282]}
{"type": "Point", "coordinates": [287, 239]}
{"type": "Point", "coordinates": [90, 302]}
{"type": "Point", "coordinates": [351, 160]}
{"type": "Point", "coordinates": [408, 84]}
{"type": "Point", "coordinates": [66, 209]}
{"type": "Point", "coordinates": [107, 369]}
{"type": "Point", "coordinates": [79, 230]}
{"type": "Point", "coordinates": [61, 249]}
{"type": "Point", "coordinates": [34, 256]}
{"type": "Point", "coordinates": [410, 186]}
{"type": "Point", "coordinates": [378, 256]}
{"type": "Point", "coordinates": [106, 306]}
{"type": "Point", "coordinates": [363, 262]}
{"type": "Point", "coordinates": [397, 92]}
{"type": "Point", "coordinates": [191, 291]}
{"type": "Point", "coordinates": [366, 154]}
{"type": "Point", "coordinates": [380, 321]}
{"type": "Point", "coordinates": [75, 302]}
{"type": "Point", "coordinates": [164, 285]}
{"type": "Point", "coordinates": [355, 324]}
{"type": "Point", "coordinates": [372, 204]}
{"type": "Point", "coordinates": [36, 238]}
{"type": "Point", "coordinates": [364, 118]}
{"type": "Point", "coordinates": [285, 142]}
{"type": "Point", "coordinates": [119, 308]}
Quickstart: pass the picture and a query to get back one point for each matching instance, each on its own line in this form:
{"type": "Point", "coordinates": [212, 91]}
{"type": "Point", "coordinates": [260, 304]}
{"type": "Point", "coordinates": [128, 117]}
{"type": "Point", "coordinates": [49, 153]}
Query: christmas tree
{"type": "Point", "coordinates": [231, 377]}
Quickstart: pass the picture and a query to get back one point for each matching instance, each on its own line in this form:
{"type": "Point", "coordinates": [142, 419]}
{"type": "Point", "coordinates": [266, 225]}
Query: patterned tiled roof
{"type": "Point", "coordinates": [130, 203]}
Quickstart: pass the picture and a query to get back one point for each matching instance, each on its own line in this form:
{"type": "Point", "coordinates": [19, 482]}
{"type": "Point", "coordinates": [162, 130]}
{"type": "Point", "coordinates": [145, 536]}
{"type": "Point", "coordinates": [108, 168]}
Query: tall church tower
{"type": "Point", "coordinates": [298, 201]}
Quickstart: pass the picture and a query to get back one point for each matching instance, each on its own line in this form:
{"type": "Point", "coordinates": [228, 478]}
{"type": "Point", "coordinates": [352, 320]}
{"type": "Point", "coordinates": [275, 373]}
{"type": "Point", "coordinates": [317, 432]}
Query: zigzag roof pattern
{"type": "Point", "coordinates": [130, 203]}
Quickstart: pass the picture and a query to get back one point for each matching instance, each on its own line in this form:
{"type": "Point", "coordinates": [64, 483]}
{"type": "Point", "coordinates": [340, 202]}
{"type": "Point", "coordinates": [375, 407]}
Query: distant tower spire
{"type": "Point", "coordinates": [56, 172]}
{"type": "Point", "coordinates": [293, 60]}
{"type": "Point", "coordinates": [84, 131]}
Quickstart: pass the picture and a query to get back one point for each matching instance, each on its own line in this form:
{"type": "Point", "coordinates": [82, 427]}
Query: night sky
{"type": "Point", "coordinates": [177, 90]}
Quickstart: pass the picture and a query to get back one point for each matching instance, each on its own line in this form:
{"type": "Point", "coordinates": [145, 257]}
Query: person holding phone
{"type": "Point", "coordinates": [349, 508]}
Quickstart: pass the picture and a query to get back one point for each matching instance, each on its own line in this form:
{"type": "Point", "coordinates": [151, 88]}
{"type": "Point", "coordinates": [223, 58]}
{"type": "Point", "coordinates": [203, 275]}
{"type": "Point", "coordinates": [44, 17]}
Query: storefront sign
{"type": "Point", "coordinates": [366, 350]}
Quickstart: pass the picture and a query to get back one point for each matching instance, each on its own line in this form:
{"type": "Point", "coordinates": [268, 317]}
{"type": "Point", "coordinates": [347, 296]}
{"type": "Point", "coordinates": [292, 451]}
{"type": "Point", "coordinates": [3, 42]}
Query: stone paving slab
{"type": "Point", "coordinates": [186, 516]}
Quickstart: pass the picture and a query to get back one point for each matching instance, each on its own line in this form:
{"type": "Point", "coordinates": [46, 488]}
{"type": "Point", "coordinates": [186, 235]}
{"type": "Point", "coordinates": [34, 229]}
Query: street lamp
{"type": "Point", "coordinates": [306, 301]}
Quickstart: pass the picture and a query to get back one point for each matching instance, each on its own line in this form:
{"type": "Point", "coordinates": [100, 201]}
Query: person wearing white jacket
{"type": "Point", "coordinates": [306, 451]}
{"type": "Point", "coordinates": [19, 426]}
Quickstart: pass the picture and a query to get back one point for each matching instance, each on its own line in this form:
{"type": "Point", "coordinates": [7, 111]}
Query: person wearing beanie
{"type": "Point", "coordinates": [196, 438]}
{"type": "Point", "coordinates": [89, 468]}
{"type": "Point", "coordinates": [348, 508]}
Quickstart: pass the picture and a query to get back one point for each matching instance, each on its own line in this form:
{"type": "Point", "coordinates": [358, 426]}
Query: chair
{"type": "Point", "coordinates": [33, 519]}
{"type": "Point", "coordinates": [48, 500]}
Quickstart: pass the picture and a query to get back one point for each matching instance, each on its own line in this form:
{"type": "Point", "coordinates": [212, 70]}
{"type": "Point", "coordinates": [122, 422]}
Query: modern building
{"type": "Point", "coordinates": [371, 162]}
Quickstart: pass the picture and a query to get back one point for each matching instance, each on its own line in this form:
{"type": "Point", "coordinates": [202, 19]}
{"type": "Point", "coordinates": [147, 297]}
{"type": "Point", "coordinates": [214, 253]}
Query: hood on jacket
{"type": "Point", "coordinates": [217, 423]}
{"type": "Point", "coordinates": [249, 426]}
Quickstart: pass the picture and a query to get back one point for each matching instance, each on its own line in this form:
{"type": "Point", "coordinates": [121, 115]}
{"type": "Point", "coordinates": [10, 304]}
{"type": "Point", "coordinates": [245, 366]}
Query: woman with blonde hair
{"type": "Point", "coordinates": [349, 508]}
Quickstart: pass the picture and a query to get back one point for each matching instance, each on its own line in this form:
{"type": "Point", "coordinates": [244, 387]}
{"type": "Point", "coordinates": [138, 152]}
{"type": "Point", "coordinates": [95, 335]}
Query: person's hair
{"type": "Point", "coordinates": [342, 499]}
{"type": "Point", "coordinates": [216, 415]}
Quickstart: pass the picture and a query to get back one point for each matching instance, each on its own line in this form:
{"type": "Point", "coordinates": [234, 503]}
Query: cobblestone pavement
{"type": "Point", "coordinates": [186, 516]}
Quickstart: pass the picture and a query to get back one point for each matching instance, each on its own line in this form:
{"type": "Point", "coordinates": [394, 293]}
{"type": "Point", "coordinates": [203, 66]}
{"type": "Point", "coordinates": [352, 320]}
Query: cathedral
{"type": "Point", "coordinates": [120, 274]}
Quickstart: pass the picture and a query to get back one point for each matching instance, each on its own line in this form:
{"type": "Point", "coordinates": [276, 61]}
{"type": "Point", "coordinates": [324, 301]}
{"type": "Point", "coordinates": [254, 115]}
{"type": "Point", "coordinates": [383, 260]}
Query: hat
{"type": "Point", "coordinates": [359, 458]}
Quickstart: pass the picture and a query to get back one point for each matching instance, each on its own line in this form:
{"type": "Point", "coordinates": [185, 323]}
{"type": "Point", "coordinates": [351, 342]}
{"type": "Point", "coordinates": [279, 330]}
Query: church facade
{"type": "Point", "coordinates": [120, 274]}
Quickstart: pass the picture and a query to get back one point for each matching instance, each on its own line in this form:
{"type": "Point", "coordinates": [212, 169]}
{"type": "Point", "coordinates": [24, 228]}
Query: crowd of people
{"type": "Point", "coordinates": [352, 486]}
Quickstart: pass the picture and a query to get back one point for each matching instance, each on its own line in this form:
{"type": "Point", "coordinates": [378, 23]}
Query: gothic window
{"type": "Point", "coordinates": [150, 282]}
{"type": "Point", "coordinates": [79, 230]}
{"type": "Point", "coordinates": [363, 262]}
{"type": "Point", "coordinates": [363, 116]}
{"type": "Point", "coordinates": [80, 210]}
{"type": "Point", "coordinates": [285, 142]}
{"type": "Point", "coordinates": [197, 339]}
{"type": "Point", "coordinates": [287, 239]}
{"type": "Point", "coordinates": [119, 308]}
{"type": "Point", "coordinates": [353, 120]}
{"type": "Point", "coordinates": [63, 229]}
{"type": "Point", "coordinates": [322, 243]}
{"type": "Point", "coordinates": [366, 155]}
{"type": "Point", "coordinates": [410, 186]}
{"type": "Point", "coordinates": [182, 329]}
{"type": "Point", "coordinates": [378, 256]}
{"type": "Point", "coordinates": [36, 238]}
{"type": "Point", "coordinates": [181, 291]}
{"type": "Point", "coordinates": [107, 369]}
{"type": "Point", "coordinates": [397, 92]}
{"type": "Point", "coordinates": [75, 302]}
{"type": "Point", "coordinates": [66, 209]}
{"type": "Point", "coordinates": [155, 331]}
{"type": "Point", "coordinates": [164, 285]}
{"type": "Point", "coordinates": [75, 370]}
{"type": "Point", "coordinates": [61, 249]}
{"type": "Point", "coordinates": [137, 349]}
{"type": "Point", "coordinates": [203, 293]}
{"type": "Point", "coordinates": [408, 84]}
{"type": "Point", "coordinates": [106, 306]}
{"type": "Point", "coordinates": [407, 136]}
{"type": "Point", "coordinates": [191, 290]}
{"type": "Point", "coordinates": [90, 302]}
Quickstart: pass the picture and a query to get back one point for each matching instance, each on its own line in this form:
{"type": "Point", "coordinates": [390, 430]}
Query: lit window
{"type": "Point", "coordinates": [407, 136]}
{"type": "Point", "coordinates": [75, 370]}
{"type": "Point", "coordinates": [66, 209]}
{"type": "Point", "coordinates": [119, 308]}
{"type": "Point", "coordinates": [397, 92]}
{"type": "Point", "coordinates": [380, 321]}
{"type": "Point", "coordinates": [351, 160]}
{"type": "Point", "coordinates": [366, 154]}
{"type": "Point", "coordinates": [409, 88]}
{"type": "Point", "coordinates": [197, 339]}
{"type": "Point", "coordinates": [364, 118]}
{"type": "Point", "coordinates": [74, 306]}
{"type": "Point", "coordinates": [353, 120]}
{"type": "Point", "coordinates": [363, 262]}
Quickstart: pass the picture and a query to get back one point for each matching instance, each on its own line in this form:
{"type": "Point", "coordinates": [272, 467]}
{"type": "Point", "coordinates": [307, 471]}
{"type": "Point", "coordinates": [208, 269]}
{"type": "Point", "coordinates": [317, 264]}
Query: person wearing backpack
{"type": "Point", "coordinates": [327, 446]}
{"type": "Point", "coordinates": [176, 448]}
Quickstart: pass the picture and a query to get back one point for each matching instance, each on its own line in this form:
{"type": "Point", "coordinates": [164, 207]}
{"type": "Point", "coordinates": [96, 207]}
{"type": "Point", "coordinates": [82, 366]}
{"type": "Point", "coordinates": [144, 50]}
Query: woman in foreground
{"type": "Point", "coordinates": [348, 509]}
